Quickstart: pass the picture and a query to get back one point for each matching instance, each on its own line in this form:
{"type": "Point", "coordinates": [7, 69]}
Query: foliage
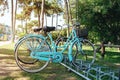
{"type": "Point", "coordinates": [32, 23]}
{"type": "Point", "coordinates": [3, 7]}
{"type": "Point", "coordinates": [36, 6]}
{"type": "Point", "coordinates": [30, 9]}
{"type": "Point", "coordinates": [1, 29]}
{"type": "Point", "coordinates": [57, 34]}
{"type": "Point", "coordinates": [21, 34]}
{"type": "Point", "coordinates": [101, 17]}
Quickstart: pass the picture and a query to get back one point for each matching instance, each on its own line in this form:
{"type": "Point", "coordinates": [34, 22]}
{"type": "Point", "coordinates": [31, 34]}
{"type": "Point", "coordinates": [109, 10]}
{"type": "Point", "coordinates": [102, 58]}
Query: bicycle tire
{"type": "Point", "coordinates": [31, 62]}
{"type": "Point", "coordinates": [23, 50]}
{"type": "Point", "coordinates": [85, 54]}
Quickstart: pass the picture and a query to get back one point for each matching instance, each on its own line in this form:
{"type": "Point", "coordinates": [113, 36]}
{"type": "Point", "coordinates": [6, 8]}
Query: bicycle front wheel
{"type": "Point", "coordinates": [23, 52]}
{"type": "Point", "coordinates": [83, 53]}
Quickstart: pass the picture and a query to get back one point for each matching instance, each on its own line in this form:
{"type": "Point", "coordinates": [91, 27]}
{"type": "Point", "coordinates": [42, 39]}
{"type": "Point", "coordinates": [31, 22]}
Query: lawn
{"type": "Point", "coordinates": [10, 71]}
{"type": "Point", "coordinates": [112, 58]}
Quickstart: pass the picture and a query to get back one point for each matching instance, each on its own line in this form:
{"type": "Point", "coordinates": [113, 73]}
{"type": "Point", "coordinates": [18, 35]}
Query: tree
{"type": "Point", "coordinates": [100, 17]}
{"type": "Point", "coordinates": [109, 22]}
{"type": "Point", "coordinates": [25, 13]}
{"type": "Point", "coordinates": [12, 19]}
{"type": "Point", "coordinates": [55, 9]}
{"type": "Point", "coordinates": [37, 9]}
{"type": "Point", "coordinates": [3, 7]}
{"type": "Point", "coordinates": [32, 23]}
{"type": "Point", "coordinates": [21, 18]}
{"type": "Point", "coordinates": [68, 15]}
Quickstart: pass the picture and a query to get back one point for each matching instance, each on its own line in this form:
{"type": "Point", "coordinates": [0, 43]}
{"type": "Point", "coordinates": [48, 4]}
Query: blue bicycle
{"type": "Point", "coordinates": [33, 52]}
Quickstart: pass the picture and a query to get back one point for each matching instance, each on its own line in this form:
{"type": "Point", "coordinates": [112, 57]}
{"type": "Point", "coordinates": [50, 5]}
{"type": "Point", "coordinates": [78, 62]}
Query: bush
{"type": "Point", "coordinates": [21, 34]}
{"type": "Point", "coordinates": [57, 34]}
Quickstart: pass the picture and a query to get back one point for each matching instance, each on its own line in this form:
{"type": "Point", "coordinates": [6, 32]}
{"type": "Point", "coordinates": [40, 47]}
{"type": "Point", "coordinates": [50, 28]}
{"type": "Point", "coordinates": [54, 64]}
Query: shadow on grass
{"type": "Point", "coordinates": [53, 72]}
{"type": "Point", "coordinates": [11, 71]}
{"type": "Point", "coordinates": [8, 78]}
{"type": "Point", "coordinates": [7, 62]}
{"type": "Point", "coordinates": [6, 54]}
{"type": "Point", "coordinates": [111, 59]}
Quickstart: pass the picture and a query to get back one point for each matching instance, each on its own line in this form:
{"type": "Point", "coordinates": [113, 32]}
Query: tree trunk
{"type": "Point", "coordinates": [46, 19]}
{"type": "Point", "coordinates": [102, 49]}
{"type": "Point", "coordinates": [67, 13]}
{"type": "Point", "coordinates": [12, 19]}
{"type": "Point", "coordinates": [42, 13]}
{"type": "Point", "coordinates": [22, 25]}
{"type": "Point", "coordinates": [52, 20]}
{"type": "Point", "coordinates": [26, 27]}
{"type": "Point", "coordinates": [56, 20]}
{"type": "Point", "coordinates": [38, 18]}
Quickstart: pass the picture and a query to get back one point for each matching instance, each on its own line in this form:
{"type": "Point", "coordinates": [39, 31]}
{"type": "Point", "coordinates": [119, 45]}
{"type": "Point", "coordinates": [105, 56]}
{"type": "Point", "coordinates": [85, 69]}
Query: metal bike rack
{"type": "Point", "coordinates": [87, 70]}
{"type": "Point", "coordinates": [90, 72]}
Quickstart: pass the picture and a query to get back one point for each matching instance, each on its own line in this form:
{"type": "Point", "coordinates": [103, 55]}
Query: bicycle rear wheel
{"type": "Point", "coordinates": [23, 52]}
{"type": "Point", "coordinates": [84, 54]}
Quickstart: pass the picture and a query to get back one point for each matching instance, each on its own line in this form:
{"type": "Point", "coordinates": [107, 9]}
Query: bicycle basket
{"type": "Point", "coordinates": [82, 33]}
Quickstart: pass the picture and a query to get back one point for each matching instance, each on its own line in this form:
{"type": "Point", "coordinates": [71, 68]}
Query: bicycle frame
{"type": "Point", "coordinates": [70, 41]}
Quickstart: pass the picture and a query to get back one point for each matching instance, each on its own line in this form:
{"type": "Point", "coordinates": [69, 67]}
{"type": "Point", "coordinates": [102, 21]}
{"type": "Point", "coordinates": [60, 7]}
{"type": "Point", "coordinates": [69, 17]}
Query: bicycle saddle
{"type": "Point", "coordinates": [45, 29]}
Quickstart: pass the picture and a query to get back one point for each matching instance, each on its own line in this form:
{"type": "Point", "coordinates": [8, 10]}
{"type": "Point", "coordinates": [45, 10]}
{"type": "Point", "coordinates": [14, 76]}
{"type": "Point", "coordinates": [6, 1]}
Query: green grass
{"type": "Point", "coordinates": [53, 71]}
{"type": "Point", "coordinates": [111, 59]}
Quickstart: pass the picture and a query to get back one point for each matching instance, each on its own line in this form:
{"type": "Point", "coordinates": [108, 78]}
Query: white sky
{"type": "Point", "coordinates": [6, 19]}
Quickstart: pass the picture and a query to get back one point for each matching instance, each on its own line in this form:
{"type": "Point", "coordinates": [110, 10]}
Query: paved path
{"type": "Point", "coordinates": [4, 42]}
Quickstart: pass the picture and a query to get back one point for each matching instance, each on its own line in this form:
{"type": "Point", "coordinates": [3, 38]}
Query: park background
{"type": "Point", "coordinates": [100, 18]}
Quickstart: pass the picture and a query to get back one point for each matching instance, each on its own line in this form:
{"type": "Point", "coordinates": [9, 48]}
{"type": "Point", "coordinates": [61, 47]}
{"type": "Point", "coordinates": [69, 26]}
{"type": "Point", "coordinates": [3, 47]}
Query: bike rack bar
{"type": "Point", "coordinates": [93, 71]}
{"type": "Point", "coordinates": [75, 71]}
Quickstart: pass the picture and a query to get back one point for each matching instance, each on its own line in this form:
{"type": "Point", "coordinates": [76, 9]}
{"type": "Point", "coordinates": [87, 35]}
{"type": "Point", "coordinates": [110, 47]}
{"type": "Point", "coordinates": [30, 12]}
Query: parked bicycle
{"type": "Point", "coordinates": [33, 52]}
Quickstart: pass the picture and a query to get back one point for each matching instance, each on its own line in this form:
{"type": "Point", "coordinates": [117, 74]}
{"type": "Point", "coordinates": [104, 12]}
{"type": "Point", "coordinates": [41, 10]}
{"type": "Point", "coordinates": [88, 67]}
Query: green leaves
{"type": "Point", "coordinates": [3, 7]}
{"type": "Point", "coordinates": [102, 19]}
